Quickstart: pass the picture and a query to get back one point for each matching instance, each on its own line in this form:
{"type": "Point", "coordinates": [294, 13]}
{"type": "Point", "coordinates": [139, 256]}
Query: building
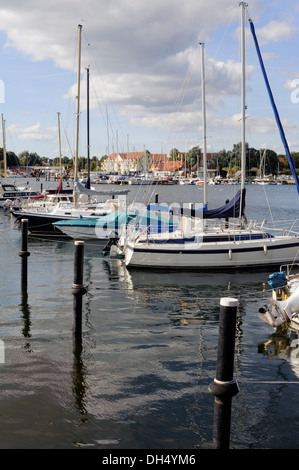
{"type": "Point", "coordinates": [131, 162]}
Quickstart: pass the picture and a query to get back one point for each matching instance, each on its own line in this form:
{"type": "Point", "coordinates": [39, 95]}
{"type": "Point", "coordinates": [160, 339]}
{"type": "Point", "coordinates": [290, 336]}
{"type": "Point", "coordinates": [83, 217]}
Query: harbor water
{"type": "Point", "coordinates": [149, 346]}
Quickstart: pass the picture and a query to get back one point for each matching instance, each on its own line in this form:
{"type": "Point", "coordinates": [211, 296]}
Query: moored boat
{"type": "Point", "coordinates": [283, 310]}
{"type": "Point", "coordinates": [224, 245]}
{"type": "Point", "coordinates": [10, 192]}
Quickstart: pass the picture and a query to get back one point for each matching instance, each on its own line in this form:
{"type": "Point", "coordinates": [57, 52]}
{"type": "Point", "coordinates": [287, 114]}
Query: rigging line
{"type": "Point", "coordinates": [108, 100]}
{"type": "Point", "coordinates": [274, 382]}
{"type": "Point", "coordinates": [232, 20]}
{"type": "Point", "coordinates": [112, 137]}
{"type": "Point", "coordinates": [265, 192]}
{"type": "Point", "coordinates": [179, 104]}
{"type": "Point", "coordinates": [216, 52]}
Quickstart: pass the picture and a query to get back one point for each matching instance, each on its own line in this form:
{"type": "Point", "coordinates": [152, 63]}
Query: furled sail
{"type": "Point", "coordinates": [281, 131]}
{"type": "Point", "coordinates": [80, 189]}
{"type": "Point", "coordinates": [235, 208]}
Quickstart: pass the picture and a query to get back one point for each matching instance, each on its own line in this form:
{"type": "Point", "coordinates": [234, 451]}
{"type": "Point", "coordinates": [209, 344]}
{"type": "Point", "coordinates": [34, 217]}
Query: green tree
{"type": "Point", "coordinates": [11, 159]}
{"type": "Point", "coordinates": [94, 163]}
{"type": "Point", "coordinates": [193, 156]}
{"type": "Point", "coordinates": [174, 154]}
{"type": "Point", "coordinates": [27, 158]}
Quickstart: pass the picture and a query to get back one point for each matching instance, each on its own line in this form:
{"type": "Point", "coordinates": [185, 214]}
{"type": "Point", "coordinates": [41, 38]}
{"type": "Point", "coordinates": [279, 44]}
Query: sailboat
{"type": "Point", "coordinates": [197, 244]}
{"type": "Point", "coordinates": [84, 202]}
{"type": "Point", "coordinates": [10, 192]}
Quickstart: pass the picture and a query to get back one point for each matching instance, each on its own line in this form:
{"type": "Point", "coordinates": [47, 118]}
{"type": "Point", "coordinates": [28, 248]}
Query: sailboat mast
{"type": "Point", "coordinates": [58, 114]}
{"type": "Point", "coordinates": [243, 59]}
{"type": "Point", "coordinates": [88, 144]}
{"type": "Point", "coordinates": [4, 147]}
{"type": "Point", "coordinates": [78, 102]}
{"type": "Point", "coordinates": [204, 126]}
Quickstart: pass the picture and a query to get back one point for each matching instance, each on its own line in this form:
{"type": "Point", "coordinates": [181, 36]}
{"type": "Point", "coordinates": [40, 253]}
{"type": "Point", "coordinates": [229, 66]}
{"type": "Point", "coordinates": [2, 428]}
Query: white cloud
{"type": "Point", "coordinates": [276, 31]}
{"type": "Point", "coordinates": [33, 133]}
{"type": "Point", "coordinates": [144, 57]}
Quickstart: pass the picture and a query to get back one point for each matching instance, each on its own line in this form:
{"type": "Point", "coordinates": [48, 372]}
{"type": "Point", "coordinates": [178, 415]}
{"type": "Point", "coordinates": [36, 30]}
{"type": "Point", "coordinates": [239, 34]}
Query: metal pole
{"type": "Point", "coordinates": [78, 290]}
{"type": "Point", "coordinates": [78, 103]}
{"type": "Point", "coordinates": [88, 143]}
{"type": "Point", "coordinates": [224, 387]}
{"type": "Point", "coordinates": [204, 126]}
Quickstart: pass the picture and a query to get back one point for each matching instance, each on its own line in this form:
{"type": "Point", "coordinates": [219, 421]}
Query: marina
{"type": "Point", "coordinates": [153, 306]}
{"type": "Point", "coordinates": [149, 348]}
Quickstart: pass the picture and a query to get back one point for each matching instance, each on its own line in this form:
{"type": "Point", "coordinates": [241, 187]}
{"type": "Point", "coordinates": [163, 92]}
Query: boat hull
{"type": "Point", "coordinates": [89, 233]}
{"type": "Point", "coordinates": [212, 255]}
{"type": "Point", "coordinates": [39, 224]}
{"type": "Point", "coordinates": [18, 195]}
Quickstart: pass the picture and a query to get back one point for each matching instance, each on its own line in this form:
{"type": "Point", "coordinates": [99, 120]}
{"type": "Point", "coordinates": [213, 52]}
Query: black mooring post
{"type": "Point", "coordinates": [226, 219]}
{"type": "Point", "coordinates": [156, 198]}
{"type": "Point", "coordinates": [223, 386]}
{"type": "Point", "coordinates": [24, 253]}
{"type": "Point", "coordinates": [78, 290]}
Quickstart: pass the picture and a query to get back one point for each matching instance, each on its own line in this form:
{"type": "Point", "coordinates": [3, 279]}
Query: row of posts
{"type": "Point", "coordinates": [223, 387]}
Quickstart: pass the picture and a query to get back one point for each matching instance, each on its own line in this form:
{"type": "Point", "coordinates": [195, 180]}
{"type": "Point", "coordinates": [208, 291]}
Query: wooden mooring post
{"type": "Point", "coordinates": [223, 387]}
{"type": "Point", "coordinates": [78, 290]}
{"type": "Point", "coordinates": [24, 253]}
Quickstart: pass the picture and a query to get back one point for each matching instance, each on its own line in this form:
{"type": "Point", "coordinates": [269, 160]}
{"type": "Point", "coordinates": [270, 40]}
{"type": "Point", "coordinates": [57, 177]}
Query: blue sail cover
{"type": "Point", "coordinates": [233, 209]}
{"type": "Point", "coordinates": [281, 131]}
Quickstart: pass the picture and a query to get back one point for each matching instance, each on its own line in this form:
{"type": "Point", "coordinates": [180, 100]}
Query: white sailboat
{"type": "Point", "coordinates": [85, 202]}
{"type": "Point", "coordinates": [198, 245]}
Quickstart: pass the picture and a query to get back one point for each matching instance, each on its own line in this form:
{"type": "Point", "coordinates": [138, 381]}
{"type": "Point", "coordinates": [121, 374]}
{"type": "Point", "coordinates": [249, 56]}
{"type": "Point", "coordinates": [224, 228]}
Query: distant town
{"type": "Point", "coordinates": [262, 165]}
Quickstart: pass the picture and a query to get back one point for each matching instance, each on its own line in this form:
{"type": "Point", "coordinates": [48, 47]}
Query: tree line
{"type": "Point", "coordinates": [27, 158]}
{"type": "Point", "coordinates": [264, 161]}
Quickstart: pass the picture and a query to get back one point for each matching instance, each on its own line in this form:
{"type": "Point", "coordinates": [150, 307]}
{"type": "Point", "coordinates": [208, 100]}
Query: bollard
{"type": "Point", "coordinates": [24, 253]}
{"type": "Point", "coordinates": [224, 387]}
{"type": "Point", "coordinates": [226, 219]}
{"type": "Point", "coordinates": [156, 198]}
{"type": "Point", "coordinates": [78, 290]}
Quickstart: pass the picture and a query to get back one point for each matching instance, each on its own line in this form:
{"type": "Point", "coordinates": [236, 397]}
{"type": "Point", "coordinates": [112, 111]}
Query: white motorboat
{"type": "Point", "coordinates": [283, 309]}
{"type": "Point", "coordinates": [10, 192]}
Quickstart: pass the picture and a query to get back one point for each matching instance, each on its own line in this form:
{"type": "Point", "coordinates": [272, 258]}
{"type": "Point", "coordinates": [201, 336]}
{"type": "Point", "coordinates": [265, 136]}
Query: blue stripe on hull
{"type": "Point", "coordinates": [203, 252]}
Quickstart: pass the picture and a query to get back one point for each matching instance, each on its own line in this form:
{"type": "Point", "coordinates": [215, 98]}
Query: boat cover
{"type": "Point", "coordinates": [234, 208]}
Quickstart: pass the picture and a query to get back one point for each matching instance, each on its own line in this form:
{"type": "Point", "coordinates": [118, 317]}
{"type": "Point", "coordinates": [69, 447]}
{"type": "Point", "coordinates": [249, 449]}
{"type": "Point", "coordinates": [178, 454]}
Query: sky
{"type": "Point", "coordinates": [144, 61]}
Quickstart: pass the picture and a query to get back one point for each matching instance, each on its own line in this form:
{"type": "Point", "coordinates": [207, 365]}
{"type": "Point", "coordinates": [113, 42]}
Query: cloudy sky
{"type": "Point", "coordinates": [145, 74]}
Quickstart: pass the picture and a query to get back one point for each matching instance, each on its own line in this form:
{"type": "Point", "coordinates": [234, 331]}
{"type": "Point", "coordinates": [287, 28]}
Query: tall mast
{"type": "Point", "coordinates": [59, 146]}
{"type": "Point", "coordinates": [4, 148]}
{"type": "Point", "coordinates": [243, 151]}
{"type": "Point", "coordinates": [204, 126]}
{"type": "Point", "coordinates": [88, 145]}
{"type": "Point", "coordinates": [78, 102]}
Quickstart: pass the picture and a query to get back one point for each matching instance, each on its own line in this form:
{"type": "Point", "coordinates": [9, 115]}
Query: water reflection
{"type": "Point", "coordinates": [283, 343]}
{"type": "Point", "coordinates": [79, 378]}
{"type": "Point", "coordinates": [25, 311]}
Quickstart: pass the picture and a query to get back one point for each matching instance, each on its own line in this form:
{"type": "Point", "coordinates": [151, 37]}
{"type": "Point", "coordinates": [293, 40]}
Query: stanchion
{"type": "Point", "coordinates": [78, 290]}
{"type": "Point", "coordinates": [24, 253]}
{"type": "Point", "coordinates": [224, 387]}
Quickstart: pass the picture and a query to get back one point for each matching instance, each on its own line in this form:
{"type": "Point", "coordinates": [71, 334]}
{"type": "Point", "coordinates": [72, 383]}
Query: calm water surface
{"type": "Point", "coordinates": [149, 347]}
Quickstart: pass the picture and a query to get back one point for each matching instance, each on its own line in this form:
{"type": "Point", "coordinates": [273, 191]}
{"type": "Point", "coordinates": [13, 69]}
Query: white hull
{"type": "Point", "coordinates": [284, 306]}
{"type": "Point", "coordinates": [193, 255]}
{"type": "Point", "coordinates": [89, 234]}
